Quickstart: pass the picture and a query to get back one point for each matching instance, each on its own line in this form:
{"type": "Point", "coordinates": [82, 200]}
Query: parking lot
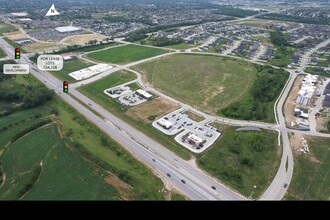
{"type": "Point", "coordinates": [126, 96]}
{"type": "Point", "coordinates": [196, 136]}
{"type": "Point", "coordinates": [178, 120]}
{"type": "Point", "coordinates": [131, 99]}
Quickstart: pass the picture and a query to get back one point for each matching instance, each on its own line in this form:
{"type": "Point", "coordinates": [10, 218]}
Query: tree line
{"type": "Point", "coordinates": [259, 101]}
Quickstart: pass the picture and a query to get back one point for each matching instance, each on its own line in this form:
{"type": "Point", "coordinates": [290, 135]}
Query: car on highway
{"type": "Point", "coordinates": [153, 160]}
{"type": "Point", "coordinates": [285, 185]}
{"type": "Point", "coordinates": [183, 181]}
{"type": "Point", "coordinates": [213, 187]}
{"type": "Point", "coordinates": [169, 175]}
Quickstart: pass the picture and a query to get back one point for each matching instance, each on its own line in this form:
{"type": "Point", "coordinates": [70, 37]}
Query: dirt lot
{"type": "Point", "coordinates": [157, 107]}
{"type": "Point", "coordinates": [82, 39]}
{"type": "Point", "coordinates": [296, 141]}
{"type": "Point", "coordinates": [322, 121]}
{"type": "Point", "coordinates": [290, 102]}
{"type": "Point", "coordinates": [40, 46]}
{"type": "Point", "coordinates": [122, 186]}
{"type": "Point", "coordinates": [17, 35]}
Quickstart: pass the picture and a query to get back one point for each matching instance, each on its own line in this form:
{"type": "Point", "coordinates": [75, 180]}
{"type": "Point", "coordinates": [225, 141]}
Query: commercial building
{"type": "Point", "coordinates": [164, 123]}
{"type": "Point", "coordinates": [302, 113]}
{"type": "Point", "coordinates": [143, 93]}
{"type": "Point", "coordinates": [67, 29]}
{"type": "Point", "coordinates": [194, 140]}
{"type": "Point", "coordinates": [90, 71]}
{"type": "Point", "coordinates": [22, 42]}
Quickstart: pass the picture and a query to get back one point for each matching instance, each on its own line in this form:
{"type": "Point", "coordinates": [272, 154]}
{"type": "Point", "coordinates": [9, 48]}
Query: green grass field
{"type": "Point", "coordinates": [243, 159]}
{"type": "Point", "coordinates": [4, 28]}
{"type": "Point", "coordinates": [323, 63]}
{"type": "Point", "coordinates": [70, 67]}
{"type": "Point", "coordinates": [95, 92]}
{"type": "Point", "coordinates": [125, 54]}
{"type": "Point", "coordinates": [2, 53]}
{"type": "Point", "coordinates": [320, 73]}
{"type": "Point", "coordinates": [205, 82]}
{"type": "Point", "coordinates": [311, 172]}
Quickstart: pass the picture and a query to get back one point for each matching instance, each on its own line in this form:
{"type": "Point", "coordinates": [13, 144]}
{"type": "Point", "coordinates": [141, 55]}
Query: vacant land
{"type": "Point", "coordinates": [311, 172]}
{"type": "Point", "coordinates": [82, 39]}
{"type": "Point", "coordinates": [149, 111]}
{"type": "Point", "coordinates": [112, 80]}
{"type": "Point", "coordinates": [243, 159]}
{"type": "Point", "coordinates": [205, 82]}
{"type": "Point", "coordinates": [4, 28]}
{"type": "Point", "coordinates": [42, 46]}
{"type": "Point", "coordinates": [282, 56]}
{"type": "Point", "coordinates": [125, 54]}
{"type": "Point", "coordinates": [194, 116]}
{"type": "Point", "coordinates": [262, 23]}
{"type": "Point", "coordinates": [95, 92]}
{"type": "Point", "coordinates": [69, 67]}
{"type": "Point", "coordinates": [17, 35]}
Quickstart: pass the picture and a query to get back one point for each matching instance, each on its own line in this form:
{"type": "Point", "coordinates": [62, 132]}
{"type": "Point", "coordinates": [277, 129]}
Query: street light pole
{"type": "Point", "coordinates": [254, 187]}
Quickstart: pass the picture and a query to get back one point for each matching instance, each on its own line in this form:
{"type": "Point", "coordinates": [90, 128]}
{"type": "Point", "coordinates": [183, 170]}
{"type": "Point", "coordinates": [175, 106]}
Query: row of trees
{"type": "Point", "coordinates": [160, 42]}
{"type": "Point", "coordinates": [235, 12]}
{"type": "Point", "coordinates": [308, 20]}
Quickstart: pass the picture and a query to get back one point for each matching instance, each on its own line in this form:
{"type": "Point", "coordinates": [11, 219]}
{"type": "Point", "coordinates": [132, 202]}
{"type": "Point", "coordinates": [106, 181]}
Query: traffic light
{"type": "Point", "coordinates": [65, 87]}
{"type": "Point", "coordinates": [17, 53]}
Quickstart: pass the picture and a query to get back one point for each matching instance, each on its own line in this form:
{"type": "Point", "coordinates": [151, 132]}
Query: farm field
{"type": "Point", "coordinates": [125, 54]}
{"type": "Point", "coordinates": [243, 159]}
{"type": "Point", "coordinates": [205, 82]}
{"type": "Point", "coordinates": [65, 143]}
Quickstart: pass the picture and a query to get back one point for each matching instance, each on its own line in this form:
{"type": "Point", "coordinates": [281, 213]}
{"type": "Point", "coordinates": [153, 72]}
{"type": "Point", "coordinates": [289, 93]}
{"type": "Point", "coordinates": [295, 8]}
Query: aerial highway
{"type": "Point", "coordinates": [191, 181]}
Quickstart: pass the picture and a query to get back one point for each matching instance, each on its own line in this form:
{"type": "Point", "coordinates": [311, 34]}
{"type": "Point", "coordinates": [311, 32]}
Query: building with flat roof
{"type": "Point", "coordinates": [67, 29]}
{"type": "Point", "coordinates": [307, 89]}
{"type": "Point", "coordinates": [19, 14]}
{"type": "Point", "coordinates": [22, 42]}
{"type": "Point", "coordinates": [194, 140]}
{"type": "Point", "coordinates": [164, 123]}
{"type": "Point", "coordinates": [143, 93]}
